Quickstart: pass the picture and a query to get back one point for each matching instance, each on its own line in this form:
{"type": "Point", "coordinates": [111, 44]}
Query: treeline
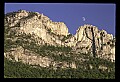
{"type": "Point", "coordinates": [20, 70]}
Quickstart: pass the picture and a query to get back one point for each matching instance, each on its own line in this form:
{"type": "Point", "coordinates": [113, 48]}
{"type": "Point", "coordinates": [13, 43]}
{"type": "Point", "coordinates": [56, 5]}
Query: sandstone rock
{"type": "Point", "coordinates": [91, 67]}
{"type": "Point", "coordinates": [85, 39]}
{"type": "Point", "coordinates": [38, 24]}
{"type": "Point", "coordinates": [103, 68]}
{"type": "Point", "coordinates": [45, 31]}
{"type": "Point", "coordinates": [73, 65]}
{"type": "Point", "coordinates": [18, 54]}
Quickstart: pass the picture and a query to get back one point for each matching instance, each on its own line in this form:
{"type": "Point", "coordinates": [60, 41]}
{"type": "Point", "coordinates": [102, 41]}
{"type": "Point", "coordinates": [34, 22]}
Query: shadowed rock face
{"type": "Point", "coordinates": [93, 43]}
{"type": "Point", "coordinates": [88, 38]}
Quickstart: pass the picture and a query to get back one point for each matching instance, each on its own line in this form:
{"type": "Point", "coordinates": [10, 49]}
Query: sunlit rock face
{"type": "Point", "coordinates": [45, 31]}
{"type": "Point", "coordinates": [104, 42]}
{"type": "Point", "coordinates": [37, 24]}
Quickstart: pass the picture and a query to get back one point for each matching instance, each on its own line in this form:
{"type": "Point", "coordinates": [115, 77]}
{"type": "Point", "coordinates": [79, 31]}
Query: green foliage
{"type": "Point", "coordinates": [20, 70]}
{"type": "Point", "coordinates": [66, 37]}
{"type": "Point", "coordinates": [57, 48]}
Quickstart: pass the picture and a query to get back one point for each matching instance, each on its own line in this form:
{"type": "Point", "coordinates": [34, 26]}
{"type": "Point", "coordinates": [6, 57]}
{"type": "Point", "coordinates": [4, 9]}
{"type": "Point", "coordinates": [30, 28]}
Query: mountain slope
{"type": "Point", "coordinates": [33, 41]}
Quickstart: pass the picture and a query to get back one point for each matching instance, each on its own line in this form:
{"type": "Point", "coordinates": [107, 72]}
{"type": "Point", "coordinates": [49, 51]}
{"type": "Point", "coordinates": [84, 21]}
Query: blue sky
{"type": "Point", "coordinates": [72, 14]}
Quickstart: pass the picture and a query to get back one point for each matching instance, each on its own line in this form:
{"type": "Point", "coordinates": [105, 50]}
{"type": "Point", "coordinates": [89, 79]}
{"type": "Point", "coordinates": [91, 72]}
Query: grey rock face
{"type": "Point", "coordinates": [37, 24]}
{"type": "Point", "coordinates": [88, 38]}
{"type": "Point", "coordinates": [104, 43]}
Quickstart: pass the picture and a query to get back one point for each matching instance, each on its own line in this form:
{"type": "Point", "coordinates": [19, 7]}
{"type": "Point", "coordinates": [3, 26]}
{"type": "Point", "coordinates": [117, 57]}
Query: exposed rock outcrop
{"type": "Point", "coordinates": [88, 38]}
{"type": "Point", "coordinates": [37, 24]}
{"type": "Point", "coordinates": [20, 54]}
{"type": "Point", "coordinates": [95, 40]}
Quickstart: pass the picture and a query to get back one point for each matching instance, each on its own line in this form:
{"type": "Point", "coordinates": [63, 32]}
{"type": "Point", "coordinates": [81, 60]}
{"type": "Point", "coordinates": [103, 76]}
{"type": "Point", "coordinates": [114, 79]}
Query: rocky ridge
{"type": "Point", "coordinates": [42, 31]}
{"type": "Point", "coordinates": [26, 22]}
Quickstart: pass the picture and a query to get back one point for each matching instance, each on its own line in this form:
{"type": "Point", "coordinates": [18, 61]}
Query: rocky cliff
{"type": "Point", "coordinates": [26, 31]}
{"type": "Point", "coordinates": [89, 39]}
{"type": "Point", "coordinates": [36, 24]}
{"type": "Point", "coordinates": [98, 42]}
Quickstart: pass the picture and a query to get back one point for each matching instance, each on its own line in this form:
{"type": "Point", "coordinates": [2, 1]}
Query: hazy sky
{"type": "Point", "coordinates": [73, 14]}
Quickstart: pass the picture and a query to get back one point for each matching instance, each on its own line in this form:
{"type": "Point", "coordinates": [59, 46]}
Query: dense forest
{"type": "Point", "coordinates": [20, 70]}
